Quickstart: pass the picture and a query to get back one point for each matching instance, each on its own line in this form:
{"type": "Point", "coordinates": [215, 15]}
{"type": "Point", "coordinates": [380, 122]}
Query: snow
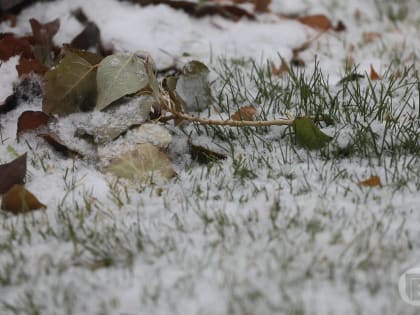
{"type": "Point", "coordinates": [172, 253]}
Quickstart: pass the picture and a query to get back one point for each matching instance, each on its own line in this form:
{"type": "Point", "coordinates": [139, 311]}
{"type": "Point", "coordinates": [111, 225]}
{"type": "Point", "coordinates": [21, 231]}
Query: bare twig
{"type": "Point", "coordinates": [234, 123]}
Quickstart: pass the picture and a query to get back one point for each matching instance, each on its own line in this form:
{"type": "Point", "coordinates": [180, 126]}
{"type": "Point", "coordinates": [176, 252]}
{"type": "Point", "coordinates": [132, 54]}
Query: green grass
{"type": "Point", "coordinates": [258, 227]}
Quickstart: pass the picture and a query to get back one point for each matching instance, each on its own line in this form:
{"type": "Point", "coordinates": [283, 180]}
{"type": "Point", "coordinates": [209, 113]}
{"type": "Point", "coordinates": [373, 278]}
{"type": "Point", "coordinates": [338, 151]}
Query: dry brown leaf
{"type": "Point", "coordinates": [19, 200]}
{"type": "Point", "coordinates": [261, 6]}
{"type": "Point", "coordinates": [318, 21]}
{"type": "Point", "coordinates": [12, 173]}
{"type": "Point", "coordinates": [247, 113]}
{"type": "Point", "coordinates": [373, 181]}
{"type": "Point", "coordinates": [27, 66]}
{"type": "Point", "coordinates": [369, 37]}
{"type": "Point", "coordinates": [31, 120]}
{"type": "Point", "coordinates": [373, 74]}
{"type": "Point", "coordinates": [282, 69]}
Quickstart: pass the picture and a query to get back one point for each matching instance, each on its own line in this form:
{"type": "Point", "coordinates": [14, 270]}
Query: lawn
{"type": "Point", "coordinates": [316, 216]}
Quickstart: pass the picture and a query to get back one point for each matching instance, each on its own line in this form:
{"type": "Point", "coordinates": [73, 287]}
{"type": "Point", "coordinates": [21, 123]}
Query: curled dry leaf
{"type": "Point", "coordinates": [9, 103]}
{"type": "Point", "coordinates": [248, 113]}
{"type": "Point", "coordinates": [373, 181]}
{"type": "Point", "coordinates": [28, 66]}
{"type": "Point", "coordinates": [12, 173]}
{"type": "Point", "coordinates": [204, 155]}
{"type": "Point", "coordinates": [282, 69]}
{"type": "Point", "coordinates": [144, 163]}
{"type": "Point", "coordinates": [31, 120]}
{"type": "Point", "coordinates": [261, 6]}
{"type": "Point", "coordinates": [10, 46]}
{"type": "Point", "coordinates": [89, 37]}
{"type": "Point", "coordinates": [318, 21]}
{"type": "Point", "coordinates": [369, 37]}
{"type": "Point", "coordinates": [373, 74]}
{"type": "Point", "coordinates": [19, 200]}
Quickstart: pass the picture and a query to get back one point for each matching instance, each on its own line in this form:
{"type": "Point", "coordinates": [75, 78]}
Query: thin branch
{"type": "Point", "coordinates": [234, 123]}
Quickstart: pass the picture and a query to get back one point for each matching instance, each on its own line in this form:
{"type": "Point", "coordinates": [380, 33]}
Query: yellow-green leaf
{"type": "Point", "coordinates": [308, 134]}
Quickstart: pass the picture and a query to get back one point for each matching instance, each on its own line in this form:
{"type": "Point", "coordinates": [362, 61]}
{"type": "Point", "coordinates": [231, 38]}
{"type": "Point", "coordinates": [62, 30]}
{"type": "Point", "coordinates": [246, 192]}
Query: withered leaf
{"type": "Point", "coordinates": [146, 163]}
{"type": "Point", "coordinates": [19, 200]}
{"type": "Point", "coordinates": [261, 6]}
{"type": "Point", "coordinates": [369, 37]}
{"type": "Point", "coordinates": [282, 69]}
{"type": "Point", "coordinates": [27, 66]}
{"type": "Point", "coordinates": [92, 58]}
{"type": "Point", "coordinates": [59, 146]}
{"type": "Point", "coordinates": [11, 45]}
{"type": "Point", "coordinates": [89, 37]}
{"type": "Point", "coordinates": [245, 113]}
{"type": "Point", "coordinates": [31, 120]}
{"type": "Point", "coordinates": [373, 74]}
{"type": "Point", "coordinates": [373, 181]}
{"type": "Point", "coordinates": [318, 21]}
{"type": "Point", "coordinates": [70, 87]}
{"type": "Point", "coordinates": [204, 155]}
{"type": "Point", "coordinates": [12, 173]}
{"type": "Point", "coordinates": [120, 75]}
{"type": "Point", "coordinates": [8, 104]}
{"type": "Point", "coordinates": [44, 33]}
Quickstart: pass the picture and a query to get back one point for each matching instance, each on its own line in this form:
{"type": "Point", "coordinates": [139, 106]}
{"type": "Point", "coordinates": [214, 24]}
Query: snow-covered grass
{"type": "Point", "coordinates": [274, 228]}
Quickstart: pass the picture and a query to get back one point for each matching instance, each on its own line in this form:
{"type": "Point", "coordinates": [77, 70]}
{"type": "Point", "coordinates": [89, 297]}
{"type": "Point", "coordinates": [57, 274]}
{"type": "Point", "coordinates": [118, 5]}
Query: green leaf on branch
{"type": "Point", "coordinates": [71, 86]}
{"type": "Point", "coordinates": [120, 75]}
{"type": "Point", "coordinates": [308, 135]}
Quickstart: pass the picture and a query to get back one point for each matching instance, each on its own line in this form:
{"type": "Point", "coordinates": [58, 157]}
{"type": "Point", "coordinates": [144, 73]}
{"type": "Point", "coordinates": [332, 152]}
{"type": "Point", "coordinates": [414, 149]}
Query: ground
{"type": "Point", "coordinates": [273, 229]}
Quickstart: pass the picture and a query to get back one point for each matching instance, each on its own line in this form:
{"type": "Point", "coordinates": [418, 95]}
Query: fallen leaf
{"type": "Point", "coordinates": [59, 146]}
{"type": "Point", "coordinates": [308, 135]}
{"type": "Point", "coordinates": [44, 33]}
{"type": "Point", "coordinates": [31, 120]}
{"type": "Point", "coordinates": [373, 181]}
{"type": "Point", "coordinates": [146, 163]}
{"type": "Point", "coordinates": [282, 69]}
{"type": "Point", "coordinates": [70, 87]}
{"type": "Point", "coordinates": [369, 37]}
{"type": "Point", "coordinates": [340, 27]}
{"type": "Point", "coordinates": [80, 15]}
{"type": "Point", "coordinates": [11, 18]}
{"type": "Point", "coordinates": [10, 46]}
{"type": "Point", "coordinates": [204, 155]}
{"type": "Point", "coordinates": [261, 6]}
{"type": "Point", "coordinates": [351, 77]}
{"type": "Point", "coordinates": [27, 66]}
{"type": "Point", "coordinates": [8, 104]}
{"type": "Point", "coordinates": [12, 173]}
{"type": "Point", "coordinates": [89, 37]}
{"type": "Point", "coordinates": [373, 74]}
{"type": "Point", "coordinates": [92, 58]}
{"type": "Point", "coordinates": [193, 86]}
{"type": "Point", "coordinates": [19, 200]}
{"type": "Point", "coordinates": [247, 113]}
{"type": "Point", "coordinates": [120, 75]}
{"type": "Point", "coordinates": [297, 61]}
{"type": "Point", "coordinates": [43, 40]}
{"type": "Point", "coordinates": [318, 21]}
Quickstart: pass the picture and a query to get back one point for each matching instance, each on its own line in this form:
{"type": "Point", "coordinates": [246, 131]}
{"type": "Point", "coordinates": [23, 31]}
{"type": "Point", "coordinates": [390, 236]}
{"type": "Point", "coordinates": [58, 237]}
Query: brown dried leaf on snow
{"type": "Point", "coordinates": [261, 6]}
{"type": "Point", "coordinates": [373, 181]}
{"type": "Point", "coordinates": [12, 173]}
{"type": "Point", "coordinates": [247, 113]}
{"type": "Point", "coordinates": [19, 200]}
{"type": "Point", "coordinates": [373, 74]}
{"type": "Point", "coordinates": [10, 46]}
{"type": "Point", "coordinates": [318, 21]}
{"type": "Point", "coordinates": [31, 120]}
